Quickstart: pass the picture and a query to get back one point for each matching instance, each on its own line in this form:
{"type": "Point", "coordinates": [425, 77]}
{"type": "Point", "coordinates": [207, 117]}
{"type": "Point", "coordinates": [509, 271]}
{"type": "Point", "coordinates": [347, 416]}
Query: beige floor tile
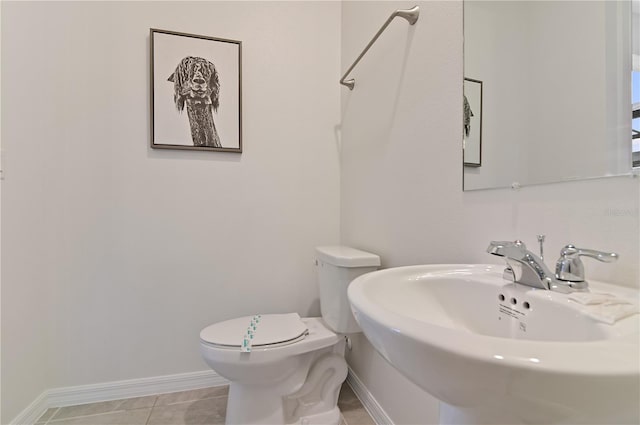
{"type": "Point", "coordinates": [192, 395]}
{"type": "Point", "coordinates": [46, 415]}
{"type": "Point", "coordinates": [353, 413]}
{"type": "Point", "coordinates": [346, 392]}
{"type": "Point", "coordinates": [357, 417]}
{"type": "Point", "coordinates": [123, 417]}
{"type": "Point", "coordinates": [205, 406]}
{"type": "Point", "coordinates": [347, 399]}
{"type": "Point", "coordinates": [104, 407]}
{"type": "Point", "coordinates": [210, 411]}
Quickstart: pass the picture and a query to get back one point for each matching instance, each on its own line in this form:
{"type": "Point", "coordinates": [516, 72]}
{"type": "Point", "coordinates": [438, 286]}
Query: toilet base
{"type": "Point", "coordinates": [295, 400]}
{"type": "Point", "coordinates": [331, 417]}
{"type": "Point", "coordinates": [266, 408]}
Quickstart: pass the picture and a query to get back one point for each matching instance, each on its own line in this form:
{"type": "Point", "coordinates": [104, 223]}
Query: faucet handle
{"type": "Point", "coordinates": [569, 266]}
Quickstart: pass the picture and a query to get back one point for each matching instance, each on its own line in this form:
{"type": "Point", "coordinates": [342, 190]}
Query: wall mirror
{"type": "Point", "coordinates": [556, 83]}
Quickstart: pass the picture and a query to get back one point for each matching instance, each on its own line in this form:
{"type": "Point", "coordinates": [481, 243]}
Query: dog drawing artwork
{"type": "Point", "coordinates": [196, 83]}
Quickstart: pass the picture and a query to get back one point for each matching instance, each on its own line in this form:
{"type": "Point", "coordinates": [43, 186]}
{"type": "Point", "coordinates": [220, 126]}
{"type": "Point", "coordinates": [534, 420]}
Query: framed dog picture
{"type": "Point", "coordinates": [472, 122]}
{"type": "Point", "coordinates": [196, 92]}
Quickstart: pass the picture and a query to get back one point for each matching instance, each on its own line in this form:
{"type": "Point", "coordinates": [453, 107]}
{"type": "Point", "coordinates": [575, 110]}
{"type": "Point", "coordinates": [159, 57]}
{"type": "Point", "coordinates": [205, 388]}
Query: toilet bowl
{"type": "Point", "coordinates": [273, 383]}
{"type": "Point", "coordinates": [284, 369]}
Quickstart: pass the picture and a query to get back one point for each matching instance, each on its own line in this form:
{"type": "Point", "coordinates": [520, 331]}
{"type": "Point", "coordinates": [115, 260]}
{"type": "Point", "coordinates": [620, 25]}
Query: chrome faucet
{"type": "Point", "coordinates": [523, 266]}
{"type": "Point", "coordinates": [527, 268]}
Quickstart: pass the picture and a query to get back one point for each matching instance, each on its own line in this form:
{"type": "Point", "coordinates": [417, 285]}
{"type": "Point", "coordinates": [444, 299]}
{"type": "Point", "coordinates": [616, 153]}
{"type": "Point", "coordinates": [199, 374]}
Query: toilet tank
{"type": "Point", "coordinates": [337, 266]}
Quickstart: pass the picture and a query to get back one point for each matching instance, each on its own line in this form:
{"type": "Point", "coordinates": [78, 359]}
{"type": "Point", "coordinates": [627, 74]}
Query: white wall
{"type": "Point", "coordinates": [401, 181]}
{"type": "Point", "coordinates": [115, 255]}
{"type": "Point", "coordinates": [0, 201]}
{"type": "Point", "coordinates": [635, 29]}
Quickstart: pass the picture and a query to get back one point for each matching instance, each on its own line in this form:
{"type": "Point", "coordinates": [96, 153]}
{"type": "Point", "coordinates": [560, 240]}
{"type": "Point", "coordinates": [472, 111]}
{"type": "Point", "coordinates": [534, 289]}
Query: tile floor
{"type": "Point", "coordinates": [206, 406]}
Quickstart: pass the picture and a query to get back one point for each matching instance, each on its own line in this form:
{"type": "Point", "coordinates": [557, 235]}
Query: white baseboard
{"type": "Point", "coordinates": [83, 394]}
{"type": "Point", "coordinates": [71, 396]}
{"type": "Point", "coordinates": [370, 404]}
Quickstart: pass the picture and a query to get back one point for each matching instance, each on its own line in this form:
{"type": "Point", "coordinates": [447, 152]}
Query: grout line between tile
{"type": "Point", "coordinates": [155, 401]}
{"type": "Point", "coordinates": [52, 415]}
{"type": "Point", "coordinates": [149, 415]}
{"type": "Point", "coordinates": [94, 414]}
{"type": "Point", "coordinates": [195, 399]}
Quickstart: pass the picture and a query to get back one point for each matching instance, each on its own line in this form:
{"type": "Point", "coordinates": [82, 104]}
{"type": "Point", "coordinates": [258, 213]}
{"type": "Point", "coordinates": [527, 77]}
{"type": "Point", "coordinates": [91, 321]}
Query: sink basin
{"type": "Point", "coordinates": [497, 352]}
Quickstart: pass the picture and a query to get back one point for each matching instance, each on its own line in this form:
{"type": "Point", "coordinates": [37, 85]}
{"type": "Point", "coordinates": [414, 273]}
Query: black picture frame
{"type": "Point", "coordinates": [196, 92]}
{"type": "Point", "coordinates": [472, 123]}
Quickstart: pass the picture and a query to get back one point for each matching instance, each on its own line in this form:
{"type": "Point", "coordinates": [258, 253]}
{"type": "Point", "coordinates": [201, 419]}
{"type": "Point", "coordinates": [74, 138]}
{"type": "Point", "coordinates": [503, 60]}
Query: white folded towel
{"type": "Point", "coordinates": [611, 313]}
{"type": "Point", "coordinates": [606, 308]}
{"type": "Point", "coordinates": [588, 298]}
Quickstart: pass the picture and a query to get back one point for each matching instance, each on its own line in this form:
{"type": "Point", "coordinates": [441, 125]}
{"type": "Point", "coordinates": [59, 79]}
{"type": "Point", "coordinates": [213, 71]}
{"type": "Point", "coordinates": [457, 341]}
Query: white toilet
{"type": "Point", "coordinates": [284, 369]}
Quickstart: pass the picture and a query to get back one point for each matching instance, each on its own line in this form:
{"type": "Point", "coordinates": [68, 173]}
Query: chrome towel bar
{"type": "Point", "coordinates": [410, 15]}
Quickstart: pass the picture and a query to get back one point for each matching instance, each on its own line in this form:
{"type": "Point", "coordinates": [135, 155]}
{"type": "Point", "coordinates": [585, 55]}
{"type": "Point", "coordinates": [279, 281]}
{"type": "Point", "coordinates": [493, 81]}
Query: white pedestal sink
{"type": "Point", "coordinates": [495, 352]}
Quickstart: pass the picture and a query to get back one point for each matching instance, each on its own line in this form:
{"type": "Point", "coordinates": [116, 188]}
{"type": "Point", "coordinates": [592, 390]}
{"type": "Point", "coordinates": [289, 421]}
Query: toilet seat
{"type": "Point", "coordinates": [264, 331]}
{"type": "Point", "coordinates": [319, 336]}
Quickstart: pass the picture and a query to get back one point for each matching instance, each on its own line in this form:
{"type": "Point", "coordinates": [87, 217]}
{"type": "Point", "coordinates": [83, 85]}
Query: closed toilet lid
{"type": "Point", "coordinates": [266, 330]}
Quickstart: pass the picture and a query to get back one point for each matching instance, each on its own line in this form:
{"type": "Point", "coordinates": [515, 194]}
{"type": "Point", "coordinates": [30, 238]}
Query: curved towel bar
{"type": "Point", "coordinates": [410, 15]}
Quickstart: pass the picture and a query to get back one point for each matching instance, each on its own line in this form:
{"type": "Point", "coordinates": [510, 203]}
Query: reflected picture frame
{"type": "Point", "coordinates": [472, 123]}
{"type": "Point", "coordinates": [196, 92]}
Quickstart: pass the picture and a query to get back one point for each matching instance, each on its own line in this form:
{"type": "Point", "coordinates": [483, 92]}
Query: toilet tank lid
{"type": "Point", "coordinates": [344, 256]}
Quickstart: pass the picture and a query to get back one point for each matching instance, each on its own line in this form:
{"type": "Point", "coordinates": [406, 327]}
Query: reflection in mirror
{"type": "Point", "coordinates": [472, 134]}
{"type": "Point", "coordinates": [556, 104]}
